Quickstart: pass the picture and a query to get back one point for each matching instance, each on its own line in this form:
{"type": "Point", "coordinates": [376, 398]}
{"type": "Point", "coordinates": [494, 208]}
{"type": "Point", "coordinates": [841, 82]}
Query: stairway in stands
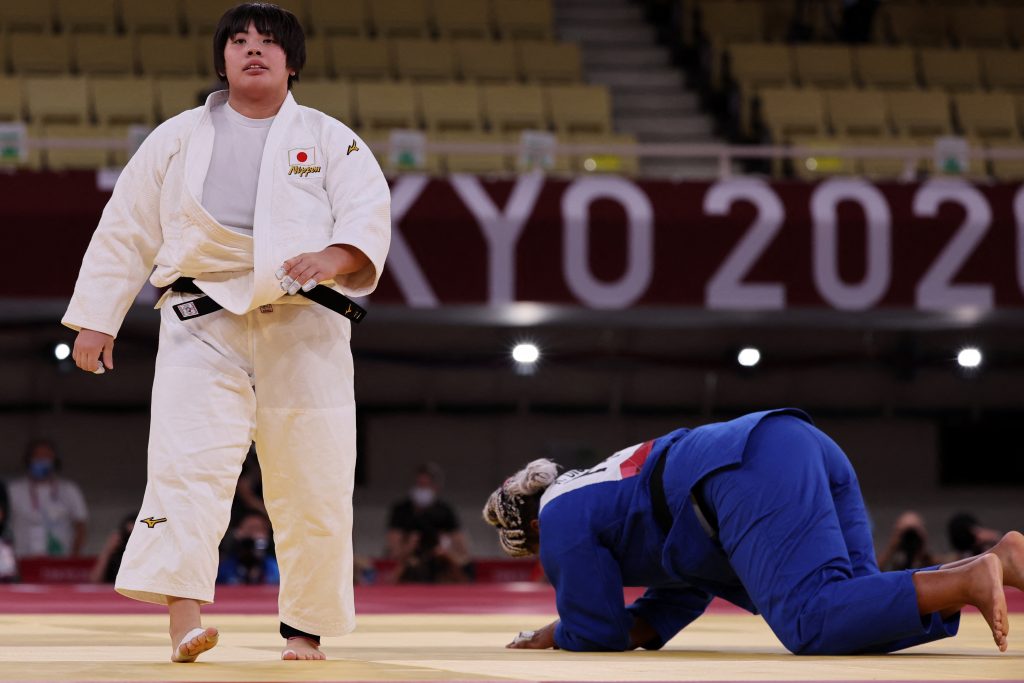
{"type": "Point", "coordinates": [649, 98]}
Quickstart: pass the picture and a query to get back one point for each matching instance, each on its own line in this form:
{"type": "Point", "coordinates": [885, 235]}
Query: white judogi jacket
{"type": "Point", "coordinates": [318, 185]}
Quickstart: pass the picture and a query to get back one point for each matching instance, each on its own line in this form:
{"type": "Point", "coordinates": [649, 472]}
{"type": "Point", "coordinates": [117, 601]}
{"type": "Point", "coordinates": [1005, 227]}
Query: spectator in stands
{"type": "Point", "coordinates": [908, 545]}
{"type": "Point", "coordinates": [48, 512]}
{"type": "Point", "coordinates": [109, 559]}
{"type": "Point", "coordinates": [424, 535]}
{"type": "Point", "coordinates": [247, 555]}
{"type": "Point", "coordinates": [967, 537]}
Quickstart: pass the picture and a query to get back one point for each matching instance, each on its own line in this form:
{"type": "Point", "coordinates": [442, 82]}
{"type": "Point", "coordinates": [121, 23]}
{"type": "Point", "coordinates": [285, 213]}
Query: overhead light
{"type": "Point", "coordinates": [748, 357]}
{"type": "Point", "coordinates": [61, 351]}
{"type": "Point", "coordinates": [969, 357]}
{"type": "Point", "coordinates": [526, 354]}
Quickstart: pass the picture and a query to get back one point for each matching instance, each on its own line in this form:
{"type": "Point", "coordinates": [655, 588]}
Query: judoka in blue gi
{"type": "Point", "coordinates": [764, 511]}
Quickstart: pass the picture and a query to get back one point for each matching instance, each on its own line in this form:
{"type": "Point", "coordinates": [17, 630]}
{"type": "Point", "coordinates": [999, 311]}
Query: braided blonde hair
{"type": "Point", "coordinates": [504, 508]}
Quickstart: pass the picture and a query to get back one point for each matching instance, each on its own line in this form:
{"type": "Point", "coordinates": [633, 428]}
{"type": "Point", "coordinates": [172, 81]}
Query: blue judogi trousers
{"type": "Point", "coordinates": [792, 523]}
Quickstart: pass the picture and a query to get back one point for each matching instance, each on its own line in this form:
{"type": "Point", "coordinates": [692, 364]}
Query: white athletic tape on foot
{"type": "Point", "coordinates": [194, 633]}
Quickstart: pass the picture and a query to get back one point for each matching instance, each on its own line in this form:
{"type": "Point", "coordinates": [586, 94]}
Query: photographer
{"type": "Point", "coordinates": [248, 554]}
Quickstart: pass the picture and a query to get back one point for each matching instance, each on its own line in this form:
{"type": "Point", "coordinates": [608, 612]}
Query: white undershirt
{"type": "Point", "coordinates": [229, 192]}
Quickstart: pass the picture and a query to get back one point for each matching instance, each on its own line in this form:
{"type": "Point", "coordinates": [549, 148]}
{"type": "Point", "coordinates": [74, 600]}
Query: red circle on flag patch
{"type": "Point", "coordinates": [301, 156]}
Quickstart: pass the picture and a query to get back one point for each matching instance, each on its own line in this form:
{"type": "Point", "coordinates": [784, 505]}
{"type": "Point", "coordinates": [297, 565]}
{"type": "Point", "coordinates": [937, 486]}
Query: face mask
{"type": "Point", "coordinates": [40, 469]}
{"type": "Point", "coordinates": [422, 496]}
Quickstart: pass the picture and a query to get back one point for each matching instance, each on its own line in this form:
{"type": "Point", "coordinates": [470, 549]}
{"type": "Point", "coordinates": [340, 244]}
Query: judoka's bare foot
{"type": "Point", "coordinates": [1010, 551]}
{"type": "Point", "coordinates": [985, 591]}
{"type": "Point", "coordinates": [193, 643]}
{"type": "Point", "coordinates": [302, 648]}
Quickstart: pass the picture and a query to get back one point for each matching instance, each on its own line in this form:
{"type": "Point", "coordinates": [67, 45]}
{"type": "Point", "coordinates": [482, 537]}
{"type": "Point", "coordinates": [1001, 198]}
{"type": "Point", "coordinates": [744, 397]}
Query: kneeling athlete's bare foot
{"type": "Point", "coordinates": [1010, 551]}
{"type": "Point", "coordinates": [302, 649]}
{"type": "Point", "coordinates": [985, 591]}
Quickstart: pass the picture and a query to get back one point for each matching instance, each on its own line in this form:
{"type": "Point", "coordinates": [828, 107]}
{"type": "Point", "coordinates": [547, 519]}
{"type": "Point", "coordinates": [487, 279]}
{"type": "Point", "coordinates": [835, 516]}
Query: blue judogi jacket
{"type": "Point", "coordinates": [599, 534]}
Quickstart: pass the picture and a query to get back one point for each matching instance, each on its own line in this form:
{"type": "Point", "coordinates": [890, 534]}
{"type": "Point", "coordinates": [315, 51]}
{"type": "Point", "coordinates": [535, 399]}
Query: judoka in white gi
{"type": "Point", "coordinates": [254, 197]}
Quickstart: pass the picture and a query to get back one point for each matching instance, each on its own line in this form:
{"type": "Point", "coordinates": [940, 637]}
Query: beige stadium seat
{"type": "Point", "coordinates": [1015, 23]}
{"type": "Point", "coordinates": [338, 18]}
{"type": "Point", "coordinates": [952, 70]}
{"type": "Point", "coordinates": [317, 63]}
{"type": "Point", "coordinates": [25, 16]}
{"type": "Point", "coordinates": [726, 23]}
{"type": "Point", "coordinates": [824, 66]}
{"type": "Point", "coordinates": [512, 108]}
{"type": "Point", "coordinates": [990, 117]}
{"type": "Point", "coordinates": [789, 113]}
{"type": "Point", "coordinates": [486, 61]}
{"type": "Point", "coordinates": [76, 158]}
{"type": "Point", "coordinates": [920, 25]}
{"type": "Point", "coordinates": [456, 19]}
{"type": "Point", "coordinates": [1008, 170]}
{"type": "Point", "coordinates": [980, 26]}
{"type": "Point", "coordinates": [580, 109]}
{"type": "Point", "coordinates": [382, 106]}
{"type": "Point", "coordinates": [888, 168]}
{"type": "Point", "coordinates": [12, 98]}
{"type": "Point", "coordinates": [523, 19]}
{"type": "Point", "coordinates": [123, 101]}
{"type": "Point", "coordinates": [177, 94]}
{"type": "Point", "coordinates": [419, 59]}
{"type": "Point", "coordinates": [451, 107]}
{"type": "Point", "coordinates": [360, 58]}
{"type": "Point", "coordinates": [778, 18]}
{"type": "Point", "coordinates": [167, 55]}
{"type": "Point", "coordinates": [103, 54]}
{"type": "Point", "coordinates": [759, 65]}
{"type": "Point", "coordinates": [150, 16]}
{"type": "Point", "coordinates": [473, 162]}
{"type": "Point", "coordinates": [550, 62]}
{"type": "Point", "coordinates": [202, 16]}
{"type": "Point", "coordinates": [400, 18]}
{"type": "Point", "coordinates": [33, 53]}
{"type": "Point", "coordinates": [858, 113]}
{"type": "Point", "coordinates": [920, 115]}
{"type": "Point", "coordinates": [1003, 69]}
{"type": "Point", "coordinates": [87, 16]}
{"type": "Point", "coordinates": [606, 161]}
{"type": "Point", "coordinates": [888, 68]}
{"type": "Point", "coordinates": [333, 98]}
{"type": "Point", "coordinates": [60, 99]}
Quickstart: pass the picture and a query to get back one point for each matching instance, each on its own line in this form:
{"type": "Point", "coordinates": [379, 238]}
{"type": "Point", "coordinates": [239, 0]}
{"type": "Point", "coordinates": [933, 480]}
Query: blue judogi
{"type": "Point", "coordinates": [793, 543]}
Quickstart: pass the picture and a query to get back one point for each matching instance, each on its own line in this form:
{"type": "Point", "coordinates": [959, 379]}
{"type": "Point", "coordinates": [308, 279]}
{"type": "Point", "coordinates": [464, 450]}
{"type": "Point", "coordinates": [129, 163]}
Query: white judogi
{"type": "Point", "coordinates": [281, 376]}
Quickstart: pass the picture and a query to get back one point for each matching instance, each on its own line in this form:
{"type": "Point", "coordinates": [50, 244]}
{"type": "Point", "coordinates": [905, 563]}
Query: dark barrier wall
{"type": "Point", "coordinates": [614, 243]}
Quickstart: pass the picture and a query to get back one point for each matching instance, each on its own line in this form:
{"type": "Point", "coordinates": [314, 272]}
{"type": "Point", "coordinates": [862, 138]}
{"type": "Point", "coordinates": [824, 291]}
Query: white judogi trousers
{"type": "Point", "coordinates": [284, 379]}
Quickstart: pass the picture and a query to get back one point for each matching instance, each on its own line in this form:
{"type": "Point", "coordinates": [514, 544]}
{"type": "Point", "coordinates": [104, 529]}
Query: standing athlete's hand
{"type": "Point", "coordinates": [542, 639]}
{"type": "Point", "coordinates": [306, 270]}
{"type": "Point", "coordinates": [90, 347]}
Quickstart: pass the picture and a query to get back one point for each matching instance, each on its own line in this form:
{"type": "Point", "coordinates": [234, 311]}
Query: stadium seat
{"type": "Point", "coordinates": [605, 161]}
{"type": "Point", "coordinates": [778, 18]}
{"type": "Point", "coordinates": [202, 16]}
{"type": "Point", "coordinates": [33, 53]}
{"type": "Point", "coordinates": [760, 65]}
{"type": "Point", "coordinates": [486, 61]}
{"type": "Point", "coordinates": [60, 99]}
{"type": "Point", "coordinates": [87, 16]}
{"type": "Point", "coordinates": [466, 162]}
{"type": "Point", "coordinates": [579, 109]}
{"type": "Point", "coordinates": [1003, 69]}
{"type": "Point", "coordinates": [512, 108]}
{"type": "Point", "coordinates": [451, 107]}
{"type": "Point", "coordinates": [920, 115]}
{"type": "Point", "coordinates": [824, 66]}
{"type": "Point", "coordinates": [952, 70]}
{"type": "Point", "coordinates": [726, 23]}
{"type": "Point", "coordinates": [12, 98]}
{"type": "Point", "coordinates": [333, 98]}
{"type": "Point", "coordinates": [400, 18]}
{"type": "Point", "coordinates": [161, 55]}
{"type": "Point", "coordinates": [919, 25]}
{"type": "Point", "coordinates": [550, 62]}
{"type": "Point", "coordinates": [979, 26]}
{"type": "Point", "coordinates": [1008, 170]}
{"type": "Point", "coordinates": [103, 54]}
{"type": "Point", "coordinates": [338, 18]}
{"type": "Point", "coordinates": [989, 117]}
{"type": "Point", "coordinates": [888, 68]}
{"type": "Point", "coordinates": [177, 94]}
{"type": "Point", "coordinates": [382, 106]}
{"type": "Point", "coordinates": [523, 19]}
{"type": "Point", "coordinates": [123, 101]}
{"type": "Point", "coordinates": [457, 19]}
{"type": "Point", "coordinates": [317, 62]}
{"type": "Point", "coordinates": [419, 59]}
{"type": "Point", "coordinates": [32, 17]}
{"type": "Point", "coordinates": [788, 112]}
{"type": "Point", "coordinates": [888, 168]}
{"type": "Point", "coordinates": [1015, 24]}
{"type": "Point", "coordinates": [857, 113]}
{"type": "Point", "coordinates": [150, 16]}
{"type": "Point", "coordinates": [76, 158]}
{"type": "Point", "coordinates": [359, 58]}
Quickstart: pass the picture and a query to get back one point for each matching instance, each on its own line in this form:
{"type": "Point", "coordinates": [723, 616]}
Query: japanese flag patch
{"type": "Point", "coordinates": [304, 162]}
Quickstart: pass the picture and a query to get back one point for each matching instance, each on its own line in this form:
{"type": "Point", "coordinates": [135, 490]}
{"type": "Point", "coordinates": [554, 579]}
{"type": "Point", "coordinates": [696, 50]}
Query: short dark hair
{"type": "Point", "coordinates": [269, 20]}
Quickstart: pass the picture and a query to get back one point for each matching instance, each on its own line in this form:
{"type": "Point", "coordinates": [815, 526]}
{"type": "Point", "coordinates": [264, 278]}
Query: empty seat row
{"type": "Point", "coordinates": [571, 110]}
{"type": "Point", "coordinates": [515, 19]}
{"type": "Point", "coordinates": [344, 57]}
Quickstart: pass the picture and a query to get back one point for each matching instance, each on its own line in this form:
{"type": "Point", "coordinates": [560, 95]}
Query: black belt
{"type": "Point", "coordinates": [325, 296]}
{"type": "Point", "coordinates": [662, 512]}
